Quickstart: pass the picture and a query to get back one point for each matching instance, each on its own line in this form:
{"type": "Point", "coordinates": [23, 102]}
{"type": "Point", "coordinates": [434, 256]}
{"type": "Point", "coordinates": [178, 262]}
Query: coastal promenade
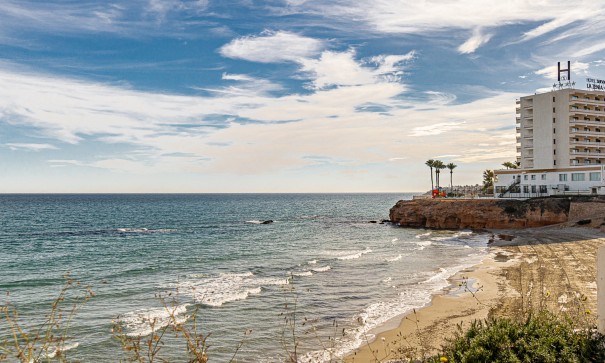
{"type": "Point", "coordinates": [551, 268]}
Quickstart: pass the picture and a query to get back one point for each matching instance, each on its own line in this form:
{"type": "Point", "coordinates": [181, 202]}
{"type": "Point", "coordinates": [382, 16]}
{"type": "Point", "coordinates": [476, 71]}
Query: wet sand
{"type": "Point", "coordinates": [550, 268]}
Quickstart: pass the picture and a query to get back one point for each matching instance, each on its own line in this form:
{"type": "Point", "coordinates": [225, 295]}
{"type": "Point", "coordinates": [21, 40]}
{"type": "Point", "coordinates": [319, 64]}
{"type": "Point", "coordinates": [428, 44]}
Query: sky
{"type": "Point", "coordinates": [208, 96]}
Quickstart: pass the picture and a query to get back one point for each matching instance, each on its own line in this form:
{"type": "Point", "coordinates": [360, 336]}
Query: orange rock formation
{"type": "Point", "coordinates": [480, 213]}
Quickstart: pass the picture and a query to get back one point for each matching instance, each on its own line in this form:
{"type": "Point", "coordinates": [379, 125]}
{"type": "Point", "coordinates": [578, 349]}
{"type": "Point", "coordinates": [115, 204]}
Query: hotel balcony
{"type": "Point", "coordinates": [579, 121]}
{"type": "Point", "coordinates": [518, 120]}
{"type": "Point", "coordinates": [586, 133]}
{"type": "Point", "coordinates": [585, 161]}
{"type": "Point", "coordinates": [582, 112]}
{"type": "Point", "coordinates": [581, 100]}
{"type": "Point", "coordinates": [577, 153]}
{"type": "Point", "coordinates": [588, 143]}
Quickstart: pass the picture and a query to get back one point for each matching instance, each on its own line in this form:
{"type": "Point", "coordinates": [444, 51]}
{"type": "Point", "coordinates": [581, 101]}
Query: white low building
{"type": "Point", "coordinates": [525, 183]}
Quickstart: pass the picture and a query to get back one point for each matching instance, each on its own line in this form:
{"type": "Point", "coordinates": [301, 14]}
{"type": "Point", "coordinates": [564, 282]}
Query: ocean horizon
{"type": "Point", "coordinates": [327, 252]}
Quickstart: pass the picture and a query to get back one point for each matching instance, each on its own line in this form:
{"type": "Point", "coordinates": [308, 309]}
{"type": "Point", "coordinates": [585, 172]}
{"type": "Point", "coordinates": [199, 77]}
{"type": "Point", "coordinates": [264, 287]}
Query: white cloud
{"type": "Point", "coordinates": [30, 147]}
{"type": "Point", "coordinates": [436, 129]}
{"type": "Point", "coordinates": [477, 39]}
{"type": "Point", "coordinates": [430, 17]}
{"type": "Point", "coordinates": [272, 47]}
{"type": "Point", "coordinates": [162, 8]}
{"type": "Point", "coordinates": [440, 98]}
{"type": "Point", "coordinates": [171, 133]}
{"type": "Point", "coordinates": [342, 69]}
{"type": "Point", "coordinates": [245, 86]}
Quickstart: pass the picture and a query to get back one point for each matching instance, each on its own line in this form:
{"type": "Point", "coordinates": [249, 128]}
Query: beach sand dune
{"type": "Point", "coordinates": [550, 268]}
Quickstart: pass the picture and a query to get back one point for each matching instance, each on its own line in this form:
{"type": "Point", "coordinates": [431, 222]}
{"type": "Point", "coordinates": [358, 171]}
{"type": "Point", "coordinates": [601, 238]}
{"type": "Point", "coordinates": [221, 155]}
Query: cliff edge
{"type": "Point", "coordinates": [480, 213]}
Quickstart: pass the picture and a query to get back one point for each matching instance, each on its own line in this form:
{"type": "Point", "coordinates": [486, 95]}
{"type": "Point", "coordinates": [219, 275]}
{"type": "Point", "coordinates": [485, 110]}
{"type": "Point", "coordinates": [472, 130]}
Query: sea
{"type": "Point", "coordinates": [320, 280]}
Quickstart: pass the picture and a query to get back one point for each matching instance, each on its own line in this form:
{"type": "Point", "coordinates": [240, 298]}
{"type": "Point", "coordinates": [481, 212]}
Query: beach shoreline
{"type": "Point", "coordinates": [551, 268]}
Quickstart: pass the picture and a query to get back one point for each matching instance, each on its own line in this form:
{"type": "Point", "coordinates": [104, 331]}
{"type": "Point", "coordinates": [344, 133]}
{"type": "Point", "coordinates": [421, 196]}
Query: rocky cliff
{"type": "Point", "coordinates": [480, 213]}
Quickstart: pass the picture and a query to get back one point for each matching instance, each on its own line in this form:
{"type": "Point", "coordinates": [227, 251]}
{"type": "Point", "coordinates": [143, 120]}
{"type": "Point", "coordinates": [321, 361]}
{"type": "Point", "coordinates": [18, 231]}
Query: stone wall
{"type": "Point", "coordinates": [586, 210]}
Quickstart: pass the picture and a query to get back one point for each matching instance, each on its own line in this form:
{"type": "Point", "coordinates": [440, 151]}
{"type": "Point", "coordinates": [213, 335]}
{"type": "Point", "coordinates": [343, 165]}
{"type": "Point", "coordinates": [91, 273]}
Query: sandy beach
{"type": "Point", "coordinates": [550, 268]}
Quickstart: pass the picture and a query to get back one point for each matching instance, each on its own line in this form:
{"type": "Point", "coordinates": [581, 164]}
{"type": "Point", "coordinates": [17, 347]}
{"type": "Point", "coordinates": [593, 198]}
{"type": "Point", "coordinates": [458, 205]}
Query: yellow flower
{"type": "Point", "coordinates": [443, 359]}
{"type": "Point", "coordinates": [587, 312]}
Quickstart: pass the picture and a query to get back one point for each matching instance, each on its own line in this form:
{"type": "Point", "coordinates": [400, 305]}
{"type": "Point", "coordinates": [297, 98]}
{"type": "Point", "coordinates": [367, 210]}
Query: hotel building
{"type": "Point", "coordinates": [560, 145]}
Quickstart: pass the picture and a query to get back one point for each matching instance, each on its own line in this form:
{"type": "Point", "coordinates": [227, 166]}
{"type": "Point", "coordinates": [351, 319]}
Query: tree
{"type": "Point", "coordinates": [430, 163]}
{"type": "Point", "coordinates": [488, 179]}
{"type": "Point", "coordinates": [451, 166]}
{"type": "Point", "coordinates": [438, 165]}
{"type": "Point", "coordinates": [511, 165]}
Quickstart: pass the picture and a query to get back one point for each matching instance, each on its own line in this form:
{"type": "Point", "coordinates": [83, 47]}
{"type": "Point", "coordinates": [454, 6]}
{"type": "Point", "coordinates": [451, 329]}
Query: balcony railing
{"type": "Point", "coordinates": [592, 143]}
{"type": "Point", "coordinates": [585, 101]}
{"type": "Point", "coordinates": [586, 112]}
{"type": "Point", "coordinates": [588, 133]}
{"type": "Point", "coordinates": [587, 122]}
{"type": "Point", "coordinates": [588, 153]}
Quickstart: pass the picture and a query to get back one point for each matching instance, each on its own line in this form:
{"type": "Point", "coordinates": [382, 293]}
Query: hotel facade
{"type": "Point", "coordinates": [560, 144]}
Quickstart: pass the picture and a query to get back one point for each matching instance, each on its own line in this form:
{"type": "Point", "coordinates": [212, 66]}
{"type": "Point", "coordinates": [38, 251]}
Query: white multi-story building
{"type": "Point", "coordinates": [560, 145]}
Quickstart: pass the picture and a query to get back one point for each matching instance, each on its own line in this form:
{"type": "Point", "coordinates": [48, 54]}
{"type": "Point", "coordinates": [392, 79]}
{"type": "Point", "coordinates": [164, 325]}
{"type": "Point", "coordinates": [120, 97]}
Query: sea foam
{"type": "Point", "coordinates": [145, 321]}
{"type": "Point", "coordinates": [227, 287]}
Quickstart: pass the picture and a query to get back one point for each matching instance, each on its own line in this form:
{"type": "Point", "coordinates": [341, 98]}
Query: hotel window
{"type": "Point", "coordinates": [543, 189]}
{"type": "Point", "coordinates": [554, 120]}
{"type": "Point", "coordinates": [553, 110]}
{"type": "Point", "coordinates": [553, 99]}
{"type": "Point", "coordinates": [526, 189]}
{"type": "Point", "coordinates": [554, 131]}
{"type": "Point", "coordinates": [596, 176]}
{"type": "Point", "coordinates": [533, 177]}
{"type": "Point", "coordinates": [562, 177]}
{"type": "Point", "coordinates": [543, 177]}
{"type": "Point", "coordinates": [577, 177]}
{"type": "Point", "coordinates": [525, 177]}
{"type": "Point", "coordinates": [533, 188]}
{"type": "Point", "coordinates": [554, 141]}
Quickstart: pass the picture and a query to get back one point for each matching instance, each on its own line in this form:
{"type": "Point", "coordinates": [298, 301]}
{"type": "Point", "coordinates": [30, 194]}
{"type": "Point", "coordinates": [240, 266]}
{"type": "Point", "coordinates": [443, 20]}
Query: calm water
{"type": "Point", "coordinates": [211, 248]}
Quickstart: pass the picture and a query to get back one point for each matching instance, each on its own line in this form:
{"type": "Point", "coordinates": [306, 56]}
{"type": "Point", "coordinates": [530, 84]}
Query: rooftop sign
{"type": "Point", "coordinates": [595, 84]}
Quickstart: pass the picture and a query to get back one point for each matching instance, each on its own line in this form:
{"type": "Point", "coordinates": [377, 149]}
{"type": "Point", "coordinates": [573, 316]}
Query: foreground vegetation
{"type": "Point", "coordinates": [541, 337]}
{"type": "Point", "coordinates": [538, 336]}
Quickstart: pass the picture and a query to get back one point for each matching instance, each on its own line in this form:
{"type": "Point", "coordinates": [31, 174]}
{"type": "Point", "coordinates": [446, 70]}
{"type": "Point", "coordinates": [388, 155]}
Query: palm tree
{"type": "Point", "coordinates": [438, 165]}
{"type": "Point", "coordinates": [430, 163]}
{"type": "Point", "coordinates": [510, 165]}
{"type": "Point", "coordinates": [451, 166]}
{"type": "Point", "coordinates": [488, 179]}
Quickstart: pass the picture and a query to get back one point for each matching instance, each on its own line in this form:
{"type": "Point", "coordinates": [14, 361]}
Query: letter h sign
{"type": "Point", "coordinates": [568, 71]}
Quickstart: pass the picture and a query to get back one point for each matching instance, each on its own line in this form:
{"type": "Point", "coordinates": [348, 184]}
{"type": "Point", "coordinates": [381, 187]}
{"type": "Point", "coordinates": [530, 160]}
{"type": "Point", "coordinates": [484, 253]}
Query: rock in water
{"type": "Point", "coordinates": [267, 221]}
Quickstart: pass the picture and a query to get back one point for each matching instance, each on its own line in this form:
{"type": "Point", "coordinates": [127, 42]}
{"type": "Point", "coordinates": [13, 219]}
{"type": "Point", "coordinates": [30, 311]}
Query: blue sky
{"type": "Point", "coordinates": [274, 96]}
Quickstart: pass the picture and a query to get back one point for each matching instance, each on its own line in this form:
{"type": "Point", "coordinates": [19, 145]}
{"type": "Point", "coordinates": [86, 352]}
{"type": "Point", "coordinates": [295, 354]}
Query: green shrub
{"type": "Point", "coordinates": [543, 337]}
